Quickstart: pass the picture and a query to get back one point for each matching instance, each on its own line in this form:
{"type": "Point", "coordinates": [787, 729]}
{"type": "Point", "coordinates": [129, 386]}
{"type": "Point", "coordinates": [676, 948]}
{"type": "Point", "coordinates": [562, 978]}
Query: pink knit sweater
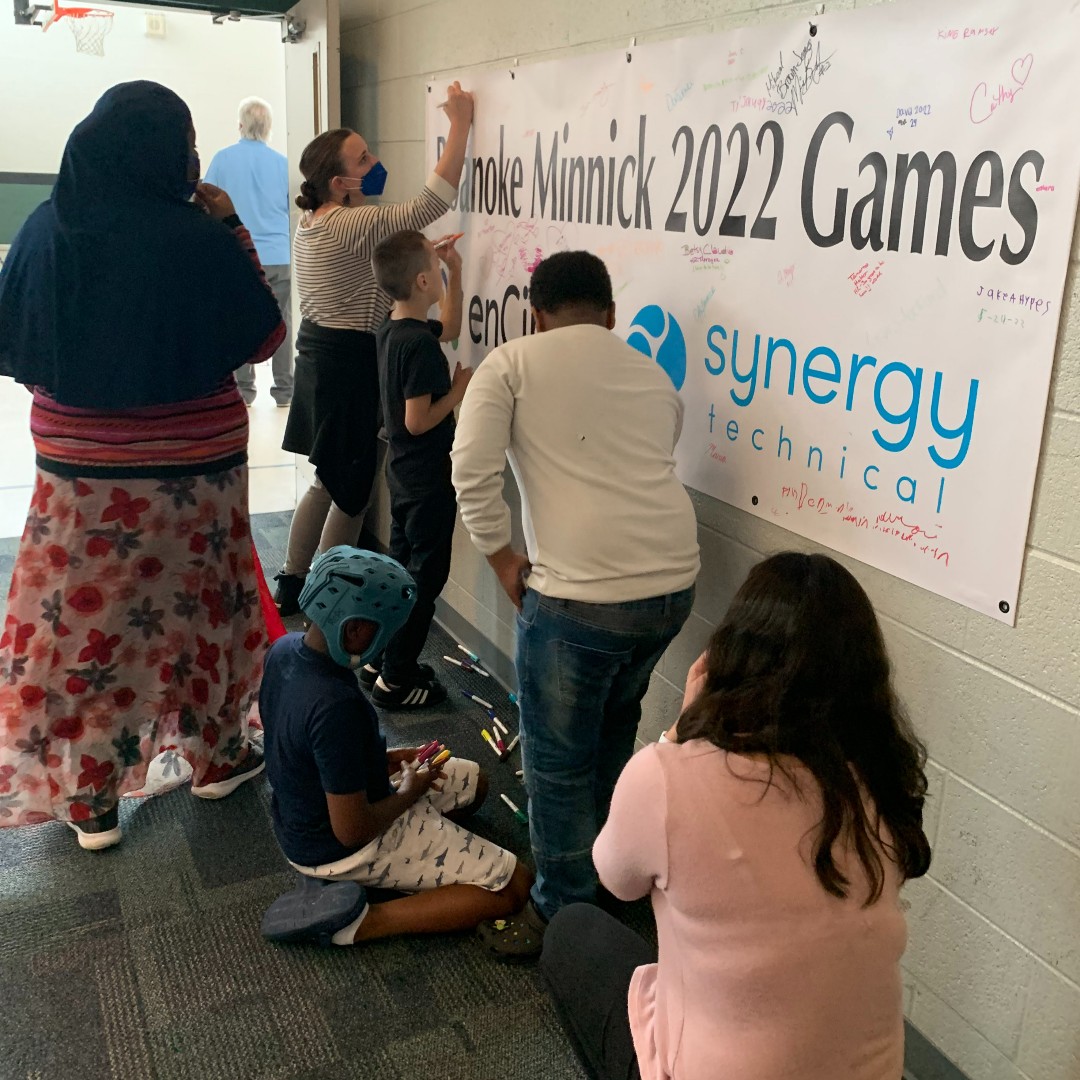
{"type": "Point", "coordinates": [762, 975]}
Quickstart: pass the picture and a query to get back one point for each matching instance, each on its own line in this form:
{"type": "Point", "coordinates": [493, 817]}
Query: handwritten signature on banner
{"type": "Point", "coordinates": [676, 96]}
{"type": "Point", "coordinates": [521, 243]}
{"type": "Point", "coordinates": [760, 104]}
{"type": "Point", "coordinates": [792, 82]}
{"type": "Point", "coordinates": [894, 526]}
{"type": "Point", "coordinates": [865, 278]}
{"type": "Point", "coordinates": [734, 79]}
{"type": "Point", "coordinates": [958, 33]}
{"type": "Point", "coordinates": [984, 104]}
{"type": "Point", "coordinates": [600, 97]}
{"type": "Point", "coordinates": [1031, 303]}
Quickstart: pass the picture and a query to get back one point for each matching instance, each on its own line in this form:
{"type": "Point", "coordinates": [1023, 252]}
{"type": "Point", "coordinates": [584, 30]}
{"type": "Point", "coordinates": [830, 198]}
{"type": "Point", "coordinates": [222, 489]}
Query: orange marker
{"type": "Point", "coordinates": [449, 240]}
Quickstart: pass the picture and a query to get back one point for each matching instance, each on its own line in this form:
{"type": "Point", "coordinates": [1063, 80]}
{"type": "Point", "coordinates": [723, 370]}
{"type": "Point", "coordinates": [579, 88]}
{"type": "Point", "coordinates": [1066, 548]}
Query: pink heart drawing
{"type": "Point", "coordinates": [1021, 69]}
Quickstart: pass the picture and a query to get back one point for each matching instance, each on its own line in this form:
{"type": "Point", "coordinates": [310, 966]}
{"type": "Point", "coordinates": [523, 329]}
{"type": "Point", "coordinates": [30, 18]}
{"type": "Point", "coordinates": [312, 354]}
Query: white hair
{"type": "Point", "coordinates": [255, 119]}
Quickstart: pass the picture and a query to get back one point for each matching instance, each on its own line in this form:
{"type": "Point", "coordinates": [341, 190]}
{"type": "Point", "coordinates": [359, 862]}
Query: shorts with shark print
{"type": "Point", "coordinates": [423, 850]}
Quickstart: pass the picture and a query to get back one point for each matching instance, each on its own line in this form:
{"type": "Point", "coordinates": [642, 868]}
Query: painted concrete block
{"type": "Point", "coordinates": [1050, 1045]}
{"type": "Point", "coordinates": [1055, 526]}
{"type": "Point", "coordinates": [968, 963]}
{"type": "Point", "coordinates": [724, 566]}
{"type": "Point", "coordinates": [1065, 384]}
{"type": "Point", "coordinates": [1022, 880]}
{"type": "Point", "coordinates": [975, 1055]}
{"type": "Point", "coordinates": [996, 733]}
{"type": "Point", "coordinates": [659, 710]}
{"type": "Point", "coordinates": [685, 649]}
{"type": "Point", "coordinates": [1043, 649]}
{"type": "Point", "coordinates": [935, 795]}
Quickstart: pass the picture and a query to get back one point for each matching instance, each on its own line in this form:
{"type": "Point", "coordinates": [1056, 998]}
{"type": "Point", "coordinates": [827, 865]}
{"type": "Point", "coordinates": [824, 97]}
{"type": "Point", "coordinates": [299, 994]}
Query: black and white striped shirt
{"type": "Point", "coordinates": [332, 256]}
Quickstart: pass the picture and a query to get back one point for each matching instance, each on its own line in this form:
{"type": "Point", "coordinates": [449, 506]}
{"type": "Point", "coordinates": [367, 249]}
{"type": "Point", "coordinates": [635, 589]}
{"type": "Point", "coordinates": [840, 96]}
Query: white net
{"type": "Point", "coordinates": [89, 29]}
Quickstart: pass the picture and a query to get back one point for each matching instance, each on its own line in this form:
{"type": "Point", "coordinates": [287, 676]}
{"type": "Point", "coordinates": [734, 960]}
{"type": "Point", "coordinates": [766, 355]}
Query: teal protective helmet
{"type": "Point", "coordinates": [345, 583]}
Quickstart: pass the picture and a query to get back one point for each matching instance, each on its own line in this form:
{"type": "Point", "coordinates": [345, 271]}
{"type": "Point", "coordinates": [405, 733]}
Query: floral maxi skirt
{"type": "Point", "coordinates": [133, 627]}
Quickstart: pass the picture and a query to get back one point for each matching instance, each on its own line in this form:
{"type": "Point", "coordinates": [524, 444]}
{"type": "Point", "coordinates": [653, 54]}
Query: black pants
{"type": "Point", "coordinates": [588, 960]}
{"type": "Point", "coordinates": [421, 538]}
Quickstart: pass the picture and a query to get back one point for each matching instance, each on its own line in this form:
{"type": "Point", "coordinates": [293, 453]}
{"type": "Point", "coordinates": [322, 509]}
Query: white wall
{"type": "Point", "coordinates": [47, 88]}
{"type": "Point", "coordinates": [993, 966]}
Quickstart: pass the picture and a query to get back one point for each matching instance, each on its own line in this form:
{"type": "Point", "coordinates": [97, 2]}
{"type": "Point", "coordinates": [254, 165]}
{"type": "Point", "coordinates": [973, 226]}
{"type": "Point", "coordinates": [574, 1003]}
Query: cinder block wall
{"type": "Point", "coordinates": [993, 965]}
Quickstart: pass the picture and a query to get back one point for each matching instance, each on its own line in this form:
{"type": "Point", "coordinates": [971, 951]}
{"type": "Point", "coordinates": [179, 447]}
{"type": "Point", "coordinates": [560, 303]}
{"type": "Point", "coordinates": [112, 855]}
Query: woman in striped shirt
{"type": "Point", "coordinates": [334, 420]}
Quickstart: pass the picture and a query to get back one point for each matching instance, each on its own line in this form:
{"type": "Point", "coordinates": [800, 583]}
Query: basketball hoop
{"type": "Point", "coordinates": [88, 26]}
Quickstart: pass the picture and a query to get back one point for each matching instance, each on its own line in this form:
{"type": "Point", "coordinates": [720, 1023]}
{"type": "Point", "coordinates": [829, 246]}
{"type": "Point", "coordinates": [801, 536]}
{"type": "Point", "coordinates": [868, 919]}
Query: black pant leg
{"type": "Point", "coordinates": [429, 530]}
{"type": "Point", "coordinates": [588, 961]}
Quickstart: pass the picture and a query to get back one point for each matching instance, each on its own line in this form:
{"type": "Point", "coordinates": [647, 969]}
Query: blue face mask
{"type": "Point", "coordinates": [375, 180]}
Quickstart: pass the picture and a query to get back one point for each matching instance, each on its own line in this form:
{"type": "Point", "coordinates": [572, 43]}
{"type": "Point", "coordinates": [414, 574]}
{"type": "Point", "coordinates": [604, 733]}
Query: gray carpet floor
{"type": "Point", "coordinates": [144, 962]}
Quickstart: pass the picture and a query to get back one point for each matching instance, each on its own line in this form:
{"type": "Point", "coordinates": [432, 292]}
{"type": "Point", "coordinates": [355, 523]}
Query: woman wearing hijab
{"type": "Point", "coordinates": [133, 623]}
{"type": "Point", "coordinates": [334, 420]}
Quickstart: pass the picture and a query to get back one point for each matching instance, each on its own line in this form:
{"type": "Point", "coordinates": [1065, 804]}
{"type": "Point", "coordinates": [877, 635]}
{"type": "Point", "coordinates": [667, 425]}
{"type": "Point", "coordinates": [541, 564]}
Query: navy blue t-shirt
{"type": "Point", "coordinates": [322, 737]}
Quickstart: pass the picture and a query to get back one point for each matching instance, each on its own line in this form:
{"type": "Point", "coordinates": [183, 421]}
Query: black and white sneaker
{"type": "Point", "coordinates": [420, 693]}
{"type": "Point", "coordinates": [368, 674]}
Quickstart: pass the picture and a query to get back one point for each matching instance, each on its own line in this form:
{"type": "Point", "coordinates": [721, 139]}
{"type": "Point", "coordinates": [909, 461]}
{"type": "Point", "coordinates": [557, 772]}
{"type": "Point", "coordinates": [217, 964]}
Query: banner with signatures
{"type": "Point", "coordinates": [845, 241]}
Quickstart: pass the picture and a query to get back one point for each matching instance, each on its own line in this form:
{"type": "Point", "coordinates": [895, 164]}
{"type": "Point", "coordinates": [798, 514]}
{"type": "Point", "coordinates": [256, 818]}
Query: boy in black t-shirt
{"type": "Point", "coordinates": [418, 401]}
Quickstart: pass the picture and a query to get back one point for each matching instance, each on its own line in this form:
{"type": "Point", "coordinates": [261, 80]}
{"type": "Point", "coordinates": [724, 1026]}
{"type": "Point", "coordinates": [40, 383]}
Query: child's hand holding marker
{"type": "Point", "coordinates": [416, 780]}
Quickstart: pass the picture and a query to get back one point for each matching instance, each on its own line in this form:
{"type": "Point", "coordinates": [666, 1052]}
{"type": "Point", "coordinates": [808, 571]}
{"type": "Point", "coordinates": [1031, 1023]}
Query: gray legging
{"type": "Point", "coordinates": [588, 961]}
{"type": "Point", "coordinates": [281, 363]}
{"type": "Point", "coordinates": [318, 524]}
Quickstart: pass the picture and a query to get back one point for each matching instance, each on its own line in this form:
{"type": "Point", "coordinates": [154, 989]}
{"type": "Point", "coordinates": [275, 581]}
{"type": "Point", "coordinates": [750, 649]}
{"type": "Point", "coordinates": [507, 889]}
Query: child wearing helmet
{"type": "Point", "coordinates": [347, 809]}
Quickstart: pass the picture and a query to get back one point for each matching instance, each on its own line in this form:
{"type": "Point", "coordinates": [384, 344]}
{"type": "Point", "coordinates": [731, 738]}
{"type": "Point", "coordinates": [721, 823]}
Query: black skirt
{"type": "Point", "coordinates": [335, 418]}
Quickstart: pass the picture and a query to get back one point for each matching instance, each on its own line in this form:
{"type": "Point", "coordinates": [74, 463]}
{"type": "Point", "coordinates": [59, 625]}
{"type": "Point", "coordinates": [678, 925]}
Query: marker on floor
{"type": "Point", "coordinates": [471, 655]}
{"type": "Point", "coordinates": [513, 742]}
{"type": "Point", "coordinates": [513, 698]}
{"type": "Point", "coordinates": [491, 742]}
{"type": "Point", "coordinates": [479, 701]}
{"type": "Point", "coordinates": [517, 813]}
{"type": "Point", "coordinates": [499, 724]}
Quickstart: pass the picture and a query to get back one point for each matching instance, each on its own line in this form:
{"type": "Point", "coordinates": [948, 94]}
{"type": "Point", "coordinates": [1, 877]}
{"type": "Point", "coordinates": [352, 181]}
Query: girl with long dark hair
{"type": "Point", "coordinates": [773, 835]}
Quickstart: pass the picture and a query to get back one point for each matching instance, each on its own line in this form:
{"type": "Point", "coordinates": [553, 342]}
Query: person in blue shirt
{"type": "Point", "coordinates": [347, 809]}
{"type": "Point", "coordinates": [257, 178]}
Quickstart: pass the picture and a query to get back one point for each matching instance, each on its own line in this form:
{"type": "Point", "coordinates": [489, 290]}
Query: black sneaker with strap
{"type": "Point", "coordinates": [287, 594]}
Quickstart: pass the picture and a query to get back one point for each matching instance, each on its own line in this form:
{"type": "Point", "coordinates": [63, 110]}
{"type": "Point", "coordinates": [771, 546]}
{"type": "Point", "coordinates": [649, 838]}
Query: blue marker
{"type": "Point", "coordinates": [471, 655]}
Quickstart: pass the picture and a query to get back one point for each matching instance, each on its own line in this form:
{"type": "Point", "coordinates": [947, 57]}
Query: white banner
{"type": "Point", "coordinates": [845, 242]}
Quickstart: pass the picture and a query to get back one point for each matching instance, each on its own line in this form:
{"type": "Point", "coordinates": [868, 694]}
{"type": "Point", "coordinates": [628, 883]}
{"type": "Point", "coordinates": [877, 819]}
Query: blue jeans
{"type": "Point", "coordinates": [582, 671]}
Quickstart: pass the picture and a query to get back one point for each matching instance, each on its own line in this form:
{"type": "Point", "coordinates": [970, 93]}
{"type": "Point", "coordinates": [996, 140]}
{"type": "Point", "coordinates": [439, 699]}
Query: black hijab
{"type": "Point", "coordinates": [117, 292]}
